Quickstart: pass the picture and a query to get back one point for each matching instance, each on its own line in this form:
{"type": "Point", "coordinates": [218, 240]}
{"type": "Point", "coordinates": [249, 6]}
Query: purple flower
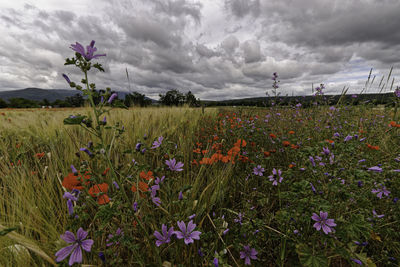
{"type": "Point", "coordinates": [157, 143]}
{"type": "Point", "coordinates": [74, 171]}
{"type": "Point", "coordinates": [112, 97]}
{"type": "Point", "coordinates": [76, 246]}
{"type": "Point", "coordinates": [313, 188]}
{"type": "Point", "coordinates": [348, 138]}
{"type": "Point", "coordinates": [90, 50]}
{"type": "Point", "coordinates": [66, 78]}
{"type": "Point", "coordinates": [326, 151]}
{"type": "Point", "coordinates": [180, 196]}
{"type": "Point", "coordinates": [104, 120]}
{"type": "Point", "coordinates": [375, 169]}
{"type": "Point", "coordinates": [138, 145]}
{"type": "Point", "coordinates": [116, 185]}
{"type": "Point", "coordinates": [159, 180]}
{"type": "Point", "coordinates": [247, 254]}
{"type": "Point", "coordinates": [187, 233]}
{"type": "Point", "coordinates": [397, 92]}
{"type": "Point", "coordinates": [225, 231]}
{"type": "Point", "coordinates": [87, 151]}
{"type": "Point", "coordinates": [323, 222]}
{"type": "Point", "coordinates": [312, 161]}
{"type": "Point", "coordinates": [118, 232]}
{"type": "Point", "coordinates": [73, 196]}
{"type": "Point", "coordinates": [135, 206]}
{"type": "Point", "coordinates": [381, 191]}
{"type": "Point", "coordinates": [173, 165]}
{"type": "Point", "coordinates": [276, 176]}
{"type": "Point", "coordinates": [258, 170]}
{"type": "Point", "coordinates": [376, 214]}
{"type": "Point", "coordinates": [191, 216]}
{"type": "Point", "coordinates": [240, 217]}
{"type": "Point", "coordinates": [165, 237]}
{"type": "Point", "coordinates": [357, 261]}
{"type": "Point", "coordinates": [215, 261]}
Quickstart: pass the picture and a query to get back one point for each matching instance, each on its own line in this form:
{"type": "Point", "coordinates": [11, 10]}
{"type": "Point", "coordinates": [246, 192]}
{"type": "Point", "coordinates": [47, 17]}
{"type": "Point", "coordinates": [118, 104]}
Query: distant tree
{"type": "Point", "coordinates": [22, 103]}
{"type": "Point", "coordinates": [3, 104]}
{"type": "Point", "coordinates": [191, 100]}
{"type": "Point", "coordinates": [75, 101]}
{"type": "Point", "coordinates": [137, 99]}
{"type": "Point", "coordinates": [61, 103]}
{"type": "Point", "coordinates": [45, 102]}
{"type": "Point", "coordinates": [172, 98]}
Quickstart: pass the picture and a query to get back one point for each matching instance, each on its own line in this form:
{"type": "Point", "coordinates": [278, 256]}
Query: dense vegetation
{"type": "Point", "coordinates": [279, 186]}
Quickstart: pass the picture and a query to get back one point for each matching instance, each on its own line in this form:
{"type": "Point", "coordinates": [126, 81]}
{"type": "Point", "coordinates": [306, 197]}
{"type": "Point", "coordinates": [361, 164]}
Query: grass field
{"type": "Point", "coordinates": [256, 182]}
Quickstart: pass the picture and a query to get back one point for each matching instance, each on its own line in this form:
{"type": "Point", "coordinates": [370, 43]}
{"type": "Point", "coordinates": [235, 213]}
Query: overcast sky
{"type": "Point", "coordinates": [218, 49]}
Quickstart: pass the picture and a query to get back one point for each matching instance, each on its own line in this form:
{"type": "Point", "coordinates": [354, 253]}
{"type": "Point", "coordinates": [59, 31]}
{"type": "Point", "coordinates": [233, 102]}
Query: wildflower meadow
{"type": "Point", "coordinates": [280, 186]}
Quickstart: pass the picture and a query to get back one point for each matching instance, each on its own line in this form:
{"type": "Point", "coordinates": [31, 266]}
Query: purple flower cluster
{"type": "Point", "coordinates": [276, 176]}
{"type": "Point", "coordinates": [186, 232]}
{"type": "Point", "coordinates": [173, 165]}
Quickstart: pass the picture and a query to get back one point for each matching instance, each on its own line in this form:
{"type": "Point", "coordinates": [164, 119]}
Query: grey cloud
{"type": "Point", "coordinates": [241, 8]}
{"type": "Point", "coordinates": [204, 51]}
{"type": "Point", "coordinates": [251, 51]}
{"type": "Point", "coordinates": [230, 44]}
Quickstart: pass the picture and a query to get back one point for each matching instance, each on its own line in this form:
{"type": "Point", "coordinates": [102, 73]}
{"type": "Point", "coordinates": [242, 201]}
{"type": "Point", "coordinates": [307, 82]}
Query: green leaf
{"type": "Point", "coordinates": [7, 230]}
{"type": "Point", "coordinates": [74, 120]}
{"type": "Point", "coordinates": [308, 257]}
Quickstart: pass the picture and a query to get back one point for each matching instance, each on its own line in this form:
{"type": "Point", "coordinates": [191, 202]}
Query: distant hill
{"type": "Point", "coordinates": [38, 94]}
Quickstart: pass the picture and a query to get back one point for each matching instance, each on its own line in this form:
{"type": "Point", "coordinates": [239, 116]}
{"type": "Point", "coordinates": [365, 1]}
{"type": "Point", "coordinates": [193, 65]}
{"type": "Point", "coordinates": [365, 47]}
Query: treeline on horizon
{"type": "Point", "coordinates": [176, 98]}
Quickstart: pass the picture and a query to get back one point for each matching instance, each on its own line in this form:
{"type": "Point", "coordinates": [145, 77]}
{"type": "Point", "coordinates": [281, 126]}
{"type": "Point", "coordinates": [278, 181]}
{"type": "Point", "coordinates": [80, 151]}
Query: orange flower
{"type": "Point", "coordinates": [373, 147]}
{"type": "Point", "coordinates": [291, 132]}
{"type": "Point", "coordinates": [272, 135]}
{"type": "Point", "coordinates": [105, 172]}
{"type": "Point", "coordinates": [329, 141]}
{"type": "Point", "coordinates": [204, 152]}
{"type": "Point", "coordinates": [267, 154]}
{"type": "Point", "coordinates": [39, 155]}
{"type": "Point", "coordinates": [394, 124]}
{"type": "Point", "coordinates": [147, 176]}
{"type": "Point", "coordinates": [286, 143]}
{"type": "Point", "coordinates": [240, 142]}
{"type": "Point", "coordinates": [99, 191]}
{"type": "Point", "coordinates": [295, 146]}
{"type": "Point", "coordinates": [72, 181]}
{"type": "Point", "coordinates": [194, 162]}
{"type": "Point", "coordinates": [198, 151]}
{"type": "Point", "coordinates": [143, 187]}
{"type": "Point", "coordinates": [291, 166]}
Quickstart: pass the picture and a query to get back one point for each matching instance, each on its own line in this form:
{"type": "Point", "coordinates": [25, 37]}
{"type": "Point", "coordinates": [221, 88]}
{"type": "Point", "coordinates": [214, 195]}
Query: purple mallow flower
{"type": "Point", "coordinates": [375, 169]}
{"type": "Point", "coordinates": [247, 254]}
{"type": "Point", "coordinates": [348, 138]}
{"type": "Point", "coordinates": [157, 143]}
{"type": "Point", "coordinates": [112, 97]}
{"type": "Point", "coordinates": [90, 50]}
{"type": "Point", "coordinates": [66, 78]}
{"type": "Point", "coordinates": [73, 196]}
{"type": "Point", "coordinates": [258, 170]}
{"type": "Point", "coordinates": [381, 191]}
{"type": "Point", "coordinates": [109, 241]}
{"type": "Point", "coordinates": [165, 237]}
{"type": "Point", "coordinates": [187, 233]}
{"type": "Point", "coordinates": [323, 222]}
{"type": "Point", "coordinates": [87, 151]}
{"type": "Point", "coordinates": [74, 171]}
{"type": "Point", "coordinates": [173, 165]}
{"type": "Point", "coordinates": [76, 246]}
{"type": "Point", "coordinates": [276, 176]}
{"type": "Point", "coordinates": [357, 261]}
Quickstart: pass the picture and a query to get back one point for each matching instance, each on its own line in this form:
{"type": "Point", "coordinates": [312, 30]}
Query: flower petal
{"type": "Point", "coordinates": [81, 234]}
{"type": "Point", "coordinates": [76, 256]}
{"type": "Point", "coordinates": [68, 237]}
{"type": "Point", "coordinates": [87, 244]}
{"type": "Point", "coordinates": [64, 252]}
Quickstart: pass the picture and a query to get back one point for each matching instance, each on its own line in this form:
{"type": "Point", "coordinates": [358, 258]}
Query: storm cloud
{"type": "Point", "coordinates": [217, 49]}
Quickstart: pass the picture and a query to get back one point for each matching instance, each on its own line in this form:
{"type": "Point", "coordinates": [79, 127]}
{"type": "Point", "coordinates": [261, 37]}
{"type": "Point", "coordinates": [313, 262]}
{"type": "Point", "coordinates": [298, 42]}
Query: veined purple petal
{"type": "Point", "coordinates": [190, 227]}
{"type": "Point", "coordinates": [68, 237]}
{"type": "Point", "coordinates": [81, 234]}
{"type": "Point", "coordinates": [76, 256]}
{"type": "Point", "coordinates": [64, 252]}
{"type": "Point", "coordinates": [87, 244]}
